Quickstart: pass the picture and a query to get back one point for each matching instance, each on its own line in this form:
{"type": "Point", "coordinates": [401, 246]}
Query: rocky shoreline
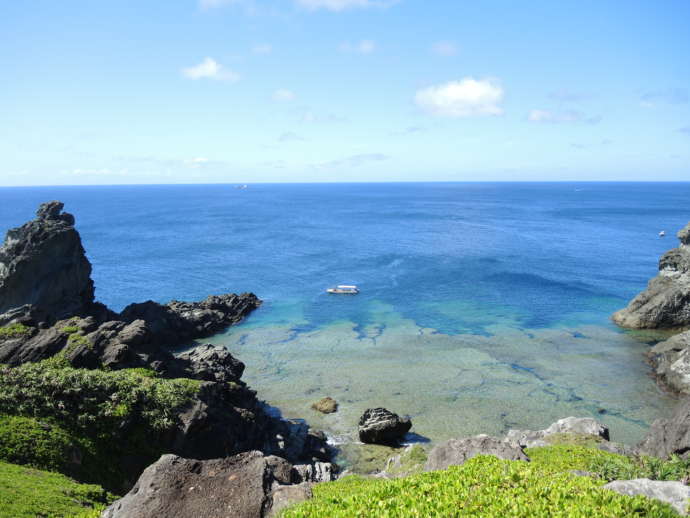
{"type": "Point", "coordinates": [223, 448]}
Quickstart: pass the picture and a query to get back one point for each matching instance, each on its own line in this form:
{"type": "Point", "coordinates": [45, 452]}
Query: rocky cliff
{"type": "Point", "coordinates": [44, 272]}
{"type": "Point", "coordinates": [666, 301]}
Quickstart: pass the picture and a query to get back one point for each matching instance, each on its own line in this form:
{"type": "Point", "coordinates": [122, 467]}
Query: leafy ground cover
{"type": "Point", "coordinates": [31, 493]}
{"type": "Point", "coordinates": [488, 487]}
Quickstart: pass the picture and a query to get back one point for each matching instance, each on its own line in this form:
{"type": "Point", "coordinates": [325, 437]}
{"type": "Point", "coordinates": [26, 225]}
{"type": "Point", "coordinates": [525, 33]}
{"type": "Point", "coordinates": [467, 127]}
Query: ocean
{"type": "Point", "coordinates": [483, 306]}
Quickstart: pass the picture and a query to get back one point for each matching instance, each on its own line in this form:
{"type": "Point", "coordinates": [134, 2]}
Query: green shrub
{"type": "Point", "coordinates": [608, 466]}
{"type": "Point", "coordinates": [30, 493]}
{"type": "Point", "coordinates": [36, 443]}
{"type": "Point", "coordinates": [13, 331]}
{"type": "Point", "coordinates": [107, 415]}
{"type": "Point", "coordinates": [482, 487]}
{"type": "Point", "coordinates": [68, 330]}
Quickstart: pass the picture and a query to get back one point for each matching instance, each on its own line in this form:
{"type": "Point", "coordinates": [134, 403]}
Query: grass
{"type": "Point", "coordinates": [482, 487]}
{"type": "Point", "coordinates": [31, 493]}
{"type": "Point", "coordinates": [95, 419]}
{"type": "Point", "coordinates": [13, 331]}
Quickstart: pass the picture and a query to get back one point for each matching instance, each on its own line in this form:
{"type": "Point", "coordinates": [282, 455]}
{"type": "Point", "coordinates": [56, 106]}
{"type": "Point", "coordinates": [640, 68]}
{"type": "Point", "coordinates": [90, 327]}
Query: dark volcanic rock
{"type": "Point", "coordinates": [458, 451]}
{"type": "Point", "coordinates": [380, 426]}
{"type": "Point", "coordinates": [669, 436]}
{"type": "Point", "coordinates": [179, 322]}
{"type": "Point", "coordinates": [211, 363]}
{"type": "Point", "coordinates": [671, 360]}
{"type": "Point", "coordinates": [242, 486]}
{"type": "Point", "coordinates": [44, 272]}
{"type": "Point", "coordinates": [666, 301]}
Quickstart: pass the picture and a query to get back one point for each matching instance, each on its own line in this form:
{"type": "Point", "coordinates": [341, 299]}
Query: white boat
{"type": "Point", "coordinates": [344, 289]}
{"type": "Point", "coordinates": [662, 233]}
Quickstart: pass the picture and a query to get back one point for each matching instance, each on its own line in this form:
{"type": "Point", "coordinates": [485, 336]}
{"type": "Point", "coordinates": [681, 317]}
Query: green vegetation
{"type": "Point", "coordinates": [68, 330]}
{"type": "Point", "coordinates": [30, 493]}
{"type": "Point", "coordinates": [608, 466]}
{"type": "Point", "coordinates": [13, 331]}
{"type": "Point", "coordinates": [411, 460]}
{"type": "Point", "coordinates": [90, 416]}
{"type": "Point", "coordinates": [482, 487]}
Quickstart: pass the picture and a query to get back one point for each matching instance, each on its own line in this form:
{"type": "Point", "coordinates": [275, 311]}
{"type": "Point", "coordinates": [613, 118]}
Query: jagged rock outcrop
{"type": "Point", "coordinates": [670, 436]}
{"type": "Point", "coordinates": [44, 272]}
{"type": "Point", "coordinates": [456, 452]}
{"type": "Point", "coordinates": [380, 426]}
{"type": "Point", "coordinates": [671, 361]}
{"type": "Point", "coordinates": [249, 485]}
{"type": "Point", "coordinates": [674, 493]}
{"type": "Point", "coordinates": [666, 301]}
{"type": "Point", "coordinates": [568, 425]}
{"type": "Point", "coordinates": [179, 322]}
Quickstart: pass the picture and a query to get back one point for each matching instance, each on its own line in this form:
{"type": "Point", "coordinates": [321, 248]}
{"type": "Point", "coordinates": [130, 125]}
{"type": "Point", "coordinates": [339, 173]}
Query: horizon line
{"type": "Point", "coordinates": [233, 184]}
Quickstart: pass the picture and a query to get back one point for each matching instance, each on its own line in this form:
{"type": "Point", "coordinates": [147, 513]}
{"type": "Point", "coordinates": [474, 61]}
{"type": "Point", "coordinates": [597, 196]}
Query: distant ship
{"type": "Point", "coordinates": [343, 289]}
{"type": "Point", "coordinates": [662, 233]}
{"type": "Point", "coordinates": [241, 186]}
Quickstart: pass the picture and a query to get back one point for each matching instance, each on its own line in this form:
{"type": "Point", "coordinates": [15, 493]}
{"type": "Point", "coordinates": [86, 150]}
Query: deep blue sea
{"type": "Point", "coordinates": [483, 306]}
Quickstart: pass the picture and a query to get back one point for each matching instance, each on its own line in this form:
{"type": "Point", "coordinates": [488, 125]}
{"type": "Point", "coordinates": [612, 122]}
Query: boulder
{"type": "Point", "coordinates": [666, 301]}
{"type": "Point", "coordinates": [456, 452]}
{"type": "Point", "coordinates": [568, 425]}
{"type": "Point", "coordinates": [242, 486]}
{"type": "Point", "coordinates": [676, 494]}
{"type": "Point", "coordinates": [211, 363]}
{"type": "Point", "coordinates": [669, 436]}
{"type": "Point", "coordinates": [326, 405]}
{"type": "Point", "coordinates": [671, 361]}
{"type": "Point", "coordinates": [44, 272]}
{"type": "Point", "coordinates": [380, 426]}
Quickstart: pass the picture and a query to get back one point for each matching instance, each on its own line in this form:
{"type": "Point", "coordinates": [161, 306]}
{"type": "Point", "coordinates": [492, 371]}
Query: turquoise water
{"type": "Point", "coordinates": [482, 307]}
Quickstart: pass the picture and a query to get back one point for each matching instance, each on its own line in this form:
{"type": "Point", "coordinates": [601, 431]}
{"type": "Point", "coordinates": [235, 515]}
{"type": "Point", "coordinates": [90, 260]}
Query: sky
{"type": "Point", "coordinates": [242, 91]}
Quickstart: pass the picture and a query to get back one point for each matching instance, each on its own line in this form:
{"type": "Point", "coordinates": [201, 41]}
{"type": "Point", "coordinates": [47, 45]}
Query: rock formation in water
{"type": "Point", "coordinates": [249, 485]}
{"type": "Point", "coordinates": [380, 426]}
{"type": "Point", "coordinates": [44, 272]}
{"type": "Point", "coordinates": [671, 361]}
{"type": "Point", "coordinates": [666, 301]}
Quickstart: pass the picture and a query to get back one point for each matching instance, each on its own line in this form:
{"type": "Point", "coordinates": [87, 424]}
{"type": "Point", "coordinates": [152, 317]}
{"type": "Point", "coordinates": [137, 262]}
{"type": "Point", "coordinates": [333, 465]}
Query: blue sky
{"type": "Point", "coordinates": [196, 91]}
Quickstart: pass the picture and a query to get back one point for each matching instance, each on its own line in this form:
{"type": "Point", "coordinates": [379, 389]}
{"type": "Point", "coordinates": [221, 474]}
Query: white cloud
{"type": "Point", "coordinates": [341, 5]}
{"type": "Point", "coordinates": [465, 98]}
{"type": "Point", "coordinates": [311, 117]}
{"type": "Point", "coordinates": [445, 48]}
{"type": "Point", "coordinates": [209, 68]}
{"type": "Point", "coordinates": [262, 48]}
{"type": "Point", "coordinates": [360, 47]}
{"type": "Point", "coordinates": [210, 4]}
{"type": "Point", "coordinates": [284, 95]}
{"type": "Point", "coordinates": [561, 117]}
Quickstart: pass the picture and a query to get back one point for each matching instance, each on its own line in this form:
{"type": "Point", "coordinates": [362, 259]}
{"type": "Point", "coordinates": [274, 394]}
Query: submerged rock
{"type": "Point", "coordinates": [248, 485]}
{"type": "Point", "coordinates": [380, 426]}
{"type": "Point", "coordinates": [326, 405]}
{"type": "Point", "coordinates": [670, 436]}
{"type": "Point", "coordinates": [456, 452]}
{"type": "Point", "coordinates": [666, 301]}
{"type": "Point", "coordinates": [673, 493]}
{"type": "Point", "coordinates": [671, 360]}
{"type": "Point", "coordinates": [44, 272]}
{"type": "Point", "coordinates": [568, 425]}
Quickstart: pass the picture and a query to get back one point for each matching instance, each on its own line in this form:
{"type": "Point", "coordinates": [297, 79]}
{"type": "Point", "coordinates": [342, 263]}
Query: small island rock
{"type": "Point", "coordinates": [380, 426]}
{"type": "Point", "coordinates": [666, 301]}
{"type": "Point", "coordinates": [326, 405]}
